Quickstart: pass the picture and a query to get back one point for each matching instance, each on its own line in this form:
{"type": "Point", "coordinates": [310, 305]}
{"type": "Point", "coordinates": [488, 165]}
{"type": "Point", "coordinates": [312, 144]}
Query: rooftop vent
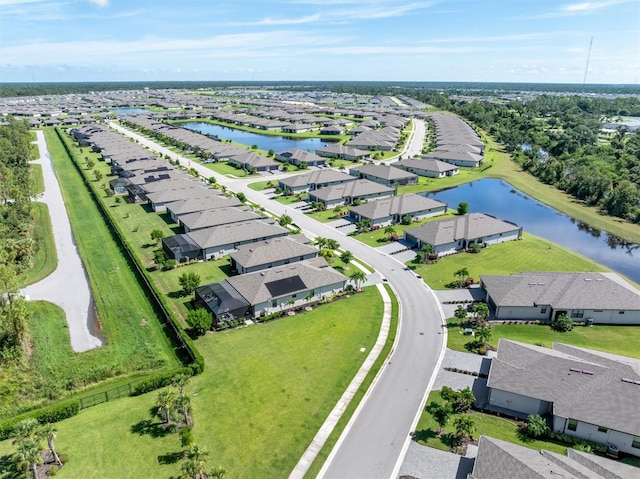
{"type": "Point", "coordinates": [587, 279]}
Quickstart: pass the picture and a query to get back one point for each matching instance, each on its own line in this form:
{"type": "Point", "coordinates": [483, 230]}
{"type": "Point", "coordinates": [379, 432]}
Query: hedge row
{"type": "Point", "coordinates": [55, 413]}
{"type": "Point", "coordinates": [196, 365]}
{"type": "Point", "coordinates": [576, 441]}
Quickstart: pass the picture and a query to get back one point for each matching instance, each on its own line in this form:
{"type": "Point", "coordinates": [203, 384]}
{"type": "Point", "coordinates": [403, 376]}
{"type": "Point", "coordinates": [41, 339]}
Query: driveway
{"type": "Point", "coordinates": [68, 286]}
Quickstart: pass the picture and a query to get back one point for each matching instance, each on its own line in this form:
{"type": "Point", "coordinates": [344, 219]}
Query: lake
{"type": "Point", "coordinates": [264, 142]}
{"type": "Point", "coordinates": [498, 198]}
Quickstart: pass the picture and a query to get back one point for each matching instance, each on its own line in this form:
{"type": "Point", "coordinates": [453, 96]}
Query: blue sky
{"type": "Point", "coordinates": [297, 40]}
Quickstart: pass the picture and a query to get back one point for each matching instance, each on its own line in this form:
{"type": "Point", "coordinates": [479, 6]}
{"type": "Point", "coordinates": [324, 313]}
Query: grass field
{"type": "Point", "coordinates": [265, 392]}
{"type": "Point", "coordinates": [486, 424]}
{"type": "Point", "coordinates": [45, 258]}
{"type": "Point", "coordinates": [529, 254]}
{"type": "Point", "coordinates": [37, 178]}
{"type": "Point", "coordinates": [136, 342]}
{"type": "Point", "coordinates": [226, 169]}
{"type": "Point", "coordinates": [624, 340]}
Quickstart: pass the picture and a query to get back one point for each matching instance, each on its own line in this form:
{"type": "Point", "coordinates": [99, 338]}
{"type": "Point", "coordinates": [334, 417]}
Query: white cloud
{"type": "Point", "coordinates": [101, 3]}
{"type": "Point", "coordinates": [591, 6]}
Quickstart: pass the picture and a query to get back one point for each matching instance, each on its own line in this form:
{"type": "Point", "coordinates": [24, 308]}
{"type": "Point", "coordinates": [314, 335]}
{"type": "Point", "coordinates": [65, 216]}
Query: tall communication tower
{"type": "Point", "coordinates": [586, 68]}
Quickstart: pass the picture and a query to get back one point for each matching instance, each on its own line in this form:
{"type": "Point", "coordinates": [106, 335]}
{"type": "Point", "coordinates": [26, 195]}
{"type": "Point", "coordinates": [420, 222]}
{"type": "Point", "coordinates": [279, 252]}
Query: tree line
{"type": "Point", "coordinates": [16, 242]}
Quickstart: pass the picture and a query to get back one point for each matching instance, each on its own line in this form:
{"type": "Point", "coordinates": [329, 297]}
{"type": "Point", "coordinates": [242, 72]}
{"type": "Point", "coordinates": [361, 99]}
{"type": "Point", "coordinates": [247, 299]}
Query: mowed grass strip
{"type": "Point", "coordinates": [529, 254]}
{"type": "Point", "coordinates": [37, 178]}
{"type": "Point", "coordinates": [135, 339]}
{"type": "Point", "coordinates": [623, 340]}
{"type": "Point", "coordinates": [262, 397]}
{"type": "Point", "coordinates": [45, 257]}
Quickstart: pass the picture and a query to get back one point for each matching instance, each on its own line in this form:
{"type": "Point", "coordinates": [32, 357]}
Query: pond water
{"type": "Point", "coordinates": [498, 198]}
{"type": "Point", "coordinates": [264, 142]}
{"type": "Point", "coordinates": [131, 111]}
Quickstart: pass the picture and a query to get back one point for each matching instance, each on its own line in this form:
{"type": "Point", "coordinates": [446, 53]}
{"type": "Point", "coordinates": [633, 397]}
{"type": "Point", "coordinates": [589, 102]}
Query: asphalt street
{"type": "Point", "coordinates": [377, 437]}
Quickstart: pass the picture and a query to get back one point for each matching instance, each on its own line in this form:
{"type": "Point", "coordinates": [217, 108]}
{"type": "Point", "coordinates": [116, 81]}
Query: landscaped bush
{"type": "Point", "coordinates": [536, 426]}
{"type": "Point", "coordinates": [562, 323]}
{"type": "Point", "coordinates": [159, 381]}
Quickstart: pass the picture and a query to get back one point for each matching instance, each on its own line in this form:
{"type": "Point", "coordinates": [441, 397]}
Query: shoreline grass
{"type": "Point", "coordinates": [45, 257]}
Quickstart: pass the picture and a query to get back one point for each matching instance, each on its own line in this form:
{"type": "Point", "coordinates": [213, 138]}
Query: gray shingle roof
{"type": "Point", "coordinates": [406, 204]}
{"type": "Point", "coordinates": [316, 177]}
{"type": "Point", "coordinates": [218, 216]}
{"type": "Point", "coordinates": [311, 274]}
{"type": "Point", "coordinates": [562, 290]}
{"type": "Point", "coordinates": [598, 397]}
{"type": "Point", "coordinates": [498, 459]}
{"type": "Point", "coordinates": [383, 171]}
{"type": "Point", "coordinates": [270, 251]}
{"type": "Point", "coordinates": [427, 164]}
{"type": "Point", "coordinates": [236, 232]}
{"type": "Point", "coordinates": [468, 227]}
{"type": "Point", "coordinates": [351, 189]}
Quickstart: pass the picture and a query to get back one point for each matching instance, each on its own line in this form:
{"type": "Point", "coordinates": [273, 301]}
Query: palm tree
{"type": "Point", "coordinates": [358, 278]}
{"type": "Point", "coordinates": [441, 412]}
{"type": "Point", "coordinates": [461, 274]}
{"type": "Point", "coordinates": [320, 242]}
{"type": "Point", "coordinates": [195, 461]}
{"type": "Point", "coordinates": [26, 429]}
{"type": "Point", "coordinates": [390, 231]}
{"type": "Point", "coordinates": [49, 432]}
{"type": "Point", "coordinates": [346, 257]}
{"type": "Point", "coordinates": [27, 457]}
{"type": "Point", "coordinates": [332, 244]}
{"type": "Point", "coordinates": [483, 334]}
{"type": "Point", "coordinates": [165, 401]}
{"type": "Point", "coordinates": [183, 403]}
{"type": "Point", "coordinates": [181, 380]}
{"type": "Point", "coordinates": [464, 426]}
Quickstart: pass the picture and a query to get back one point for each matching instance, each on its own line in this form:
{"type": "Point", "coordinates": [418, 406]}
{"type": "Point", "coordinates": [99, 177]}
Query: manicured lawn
{"type": "Point", "coordinates": [45, 258]}
{"type": "Point", "coordinates": [378, 237]}
{"type": "Point", "coordinates": [325, 216]}
{"type": "Point", "coordinates": [224, 168]}
{"type": "Point", "coordinates": [624, 340]}
{"type": "Point", "coordinates": [435, 184]}
{"type": "Point", "coordinates": [262, 397]}
{"type": "Point", "coordinates": [37, 178]}
{"type": "Point", "coordinates": [529, 254]}
{"type": "Point", "coordinates": [486, 424]}
{"type": "Point", "coordinates": [291, 199]}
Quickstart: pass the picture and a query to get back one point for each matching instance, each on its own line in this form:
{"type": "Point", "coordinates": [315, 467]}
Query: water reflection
{"type": "Point", "coordinates": [500, 199]}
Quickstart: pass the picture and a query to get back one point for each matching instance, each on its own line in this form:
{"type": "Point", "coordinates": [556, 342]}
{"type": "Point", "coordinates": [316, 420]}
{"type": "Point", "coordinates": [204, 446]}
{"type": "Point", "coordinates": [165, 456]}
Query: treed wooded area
{"type": "Point", "coordinates": [16, 244]}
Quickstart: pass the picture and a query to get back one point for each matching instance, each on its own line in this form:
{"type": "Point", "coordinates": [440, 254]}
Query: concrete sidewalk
{"type": "Point", "coordinates": [68, 286]}
{"type": "Point", "coordinates": [332, 420]}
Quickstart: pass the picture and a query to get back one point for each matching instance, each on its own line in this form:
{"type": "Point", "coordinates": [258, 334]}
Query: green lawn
{"type": "Point", "coordinates": [624, 340]}
{"type": "Point", "coordinates": [37, 178]}
{"type": "Point", "coordinates": [226, 169]}
{"type": "Point", "coordinates": [378, 237]}
{"type": "Point", "coordinates": [486, 424]}
{"type": "Point", "coordinates": [45, 258]}
{"type": "Point", "coordinates": [529, 254]}
{"type": "Point", "coordinates": [262, 397]}
{"type": "Point", "coordinates": [136, 342]}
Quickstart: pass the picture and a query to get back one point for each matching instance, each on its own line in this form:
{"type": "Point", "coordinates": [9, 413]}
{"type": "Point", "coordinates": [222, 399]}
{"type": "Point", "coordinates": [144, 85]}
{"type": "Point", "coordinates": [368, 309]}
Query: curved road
{"type": "Point", "coordinates": [375, 441]}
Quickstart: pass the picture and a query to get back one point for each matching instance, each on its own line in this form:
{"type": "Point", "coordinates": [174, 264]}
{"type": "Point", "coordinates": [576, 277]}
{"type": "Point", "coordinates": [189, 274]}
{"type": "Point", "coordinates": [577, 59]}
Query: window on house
{"type": "Point", "coordinates": [636, 442]}
{"type": "Point", "coordinates": [573, 424]}
{"type": "Point", "coordinates": [543, 310]}
{"type": "Point", "coordinates": [602, 429]}
{"type": "Point", "coordinates": [620, 312]}
{"type": "Point", "coordinates": [274, 303]}
{"type": "Point", "coordinates": [577, 313]}
{"type": "Point", "coordinates": [294, 296]}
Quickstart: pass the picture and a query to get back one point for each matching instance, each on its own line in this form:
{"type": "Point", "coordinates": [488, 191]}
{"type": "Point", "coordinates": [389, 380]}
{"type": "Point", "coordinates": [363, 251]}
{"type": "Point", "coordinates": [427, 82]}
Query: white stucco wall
{"type": "Point", "coordinates": [522, 313]}
{"type": "Point", "coordinates": [584, 430]}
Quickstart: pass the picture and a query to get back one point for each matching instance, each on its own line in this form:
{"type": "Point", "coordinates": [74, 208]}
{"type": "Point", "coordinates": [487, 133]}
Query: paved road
{"type": "Point", "coordinates": [67, 286]}
{"type": "Point", "coordinates": [376, 439]}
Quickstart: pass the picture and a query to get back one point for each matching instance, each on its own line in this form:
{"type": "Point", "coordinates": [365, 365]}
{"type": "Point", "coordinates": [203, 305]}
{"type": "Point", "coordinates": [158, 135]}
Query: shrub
{"type": "Point", "coordinates": [159, 381]}
{"type": "Point", "coordinates": [562, 323]}
{"type": "Point", "coordinates": [536, 426]}
{"type": "Point", "coordinates": [186, 437]}
{"type": "Point", "coordinates": [169, 265]}
{"type": "Point", "coordinates": [200, 321]}
{"type": "Point", "coordinates": [49, 414]}
{"type": "Point", "coordinates": [52, 471]}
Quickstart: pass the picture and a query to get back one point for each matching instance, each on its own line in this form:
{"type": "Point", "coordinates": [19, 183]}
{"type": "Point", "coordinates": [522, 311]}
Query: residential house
{"type": "Point", "coordinates": [160, 199]}
{"type": "Point", "coordinates": [350, 192]}
{"type": "Point", "coordinates": [219, 241]}
{"type": "Point", "coordinates": [216, 217]}
{"type": "Point", "coordinates": [599, 298]}
{"type": "Point", "coordinates": [428, 167]}
{"type": "Point", "coordinates": [497, 459]}
{"type": "Point", "coordinates": [313, 180]}
{"type": "Point", "coordinates": [299, 157]}
{"type": "Point", "coordinates": [459, 233]}
{"type": "Point", "coordinates": [588, 394]}
{"type": "Point", "coordinates": [384, 174]}
{"type": "Point", "coordinates": [343, 152]}
{"type": "Point", "coordinates": [177, 209]}
{"type": "Point", "coordinates": [271, 290]}
{"type": "Point", "coordinates": [270, 253]}
{"type": "Point", "coordinates": [393, 210]}
{"type": "Point", "coordinates": [250, 161]}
